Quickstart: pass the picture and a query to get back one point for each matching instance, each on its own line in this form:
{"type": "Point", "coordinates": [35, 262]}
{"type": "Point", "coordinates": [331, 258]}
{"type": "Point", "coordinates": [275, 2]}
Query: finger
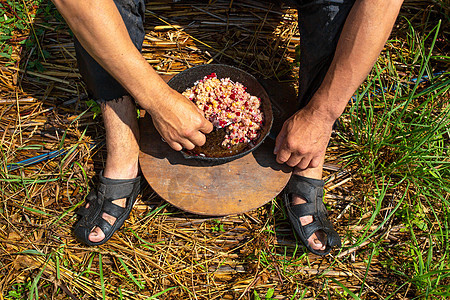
{"type": "Point", "coordinates": [293, 160]}
{"type": "Point", "coordinates": [283, 156]}
{"type": "Point", "coordinates": [198, 139]}
{"type": "Point", "coordinates": [187, 144]}
{"type": "Point", "coordinates": [279, 141]}
{"type": "Point", "coordinates": [304, 163]}
{"type": "Point", "coordinates": [175, 146]}
{"type": "Point", "coordinates": [200, 111]}
{"type": "Point", "coordinates": [206, 127]}
{"type": "Point", "coordinates": [315, 162]}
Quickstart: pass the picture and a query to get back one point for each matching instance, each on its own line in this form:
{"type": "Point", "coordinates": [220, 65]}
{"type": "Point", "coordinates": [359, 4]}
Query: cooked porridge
{"type": "Point", "coordinates": [226, 104]}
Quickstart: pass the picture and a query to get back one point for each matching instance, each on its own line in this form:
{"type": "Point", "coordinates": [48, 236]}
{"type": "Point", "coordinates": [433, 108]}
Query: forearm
{"type": "Point", "coordinates": [364, 34]}
{"type": "Point", "coordinates": [100, 29]}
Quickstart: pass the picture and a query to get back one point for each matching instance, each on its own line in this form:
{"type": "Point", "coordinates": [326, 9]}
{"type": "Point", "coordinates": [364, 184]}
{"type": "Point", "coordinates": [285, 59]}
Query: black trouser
{"type": "Point", "coordinates": [101, 85]}
{"type": "Point", "coordinates": [320, 24]}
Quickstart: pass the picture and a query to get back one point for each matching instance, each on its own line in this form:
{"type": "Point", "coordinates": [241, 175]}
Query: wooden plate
{"type": "Point", "coordinates": [206, 188]}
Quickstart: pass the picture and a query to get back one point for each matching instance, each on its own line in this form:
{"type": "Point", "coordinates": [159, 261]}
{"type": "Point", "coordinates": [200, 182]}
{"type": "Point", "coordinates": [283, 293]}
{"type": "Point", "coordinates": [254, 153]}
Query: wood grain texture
{"type": "Point", "coordinates": [204, 188]}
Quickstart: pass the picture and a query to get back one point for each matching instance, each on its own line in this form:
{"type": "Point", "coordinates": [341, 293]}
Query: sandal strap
{"type": "Point", "coordinates": [113, 209]}
{"type": "Point", "coordinates": [88, 215]}
{"type": "Point", "coordinates": [91, 199]}
{"type": "Point", "coordinates": [307, 188]}
{"type": "Point", "coordinates": [83, 211]}
{"type": "Point", "coordinates": [318, 224]}
{"type": "Point", "coordinates": [304, 209]}
{"type": "Point", "coordinates": [103, 225]}
{"type": "Point", "coordinates": [113, 189]}
{"type": "Point", "coordinates": [310, 228]}
{"type": "Point", "coordinates": [91, 196]}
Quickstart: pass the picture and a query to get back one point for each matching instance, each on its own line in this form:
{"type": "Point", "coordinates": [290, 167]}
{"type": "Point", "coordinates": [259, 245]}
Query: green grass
{"type": "Point", "coordinates": [395, 140]}
{"type": "Point", "coordinates": [398, 135]}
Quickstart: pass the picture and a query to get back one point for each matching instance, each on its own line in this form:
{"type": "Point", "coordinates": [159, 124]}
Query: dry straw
{"type": "Point", "coordinates": [160, 250]}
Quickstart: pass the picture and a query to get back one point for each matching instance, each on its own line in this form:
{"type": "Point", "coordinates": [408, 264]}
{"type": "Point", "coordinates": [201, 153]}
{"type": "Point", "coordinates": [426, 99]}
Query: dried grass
{"type": "Point", "coordinates": [161, 249]}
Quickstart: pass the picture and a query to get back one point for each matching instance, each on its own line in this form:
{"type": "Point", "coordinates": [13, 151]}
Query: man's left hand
{"type": "Point", "coordinates": [303, 140]}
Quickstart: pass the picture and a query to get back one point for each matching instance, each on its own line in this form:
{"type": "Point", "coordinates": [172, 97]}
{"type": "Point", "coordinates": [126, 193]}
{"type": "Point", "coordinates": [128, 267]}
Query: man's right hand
{"type": "Point", "coordinates": [180, 123]}
{"type": "Point", "coordinates": [102, 32]}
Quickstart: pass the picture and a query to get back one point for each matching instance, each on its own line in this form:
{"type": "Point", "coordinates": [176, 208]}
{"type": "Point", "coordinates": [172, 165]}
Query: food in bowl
{"type": "Point", "coordinates": [226, 104]}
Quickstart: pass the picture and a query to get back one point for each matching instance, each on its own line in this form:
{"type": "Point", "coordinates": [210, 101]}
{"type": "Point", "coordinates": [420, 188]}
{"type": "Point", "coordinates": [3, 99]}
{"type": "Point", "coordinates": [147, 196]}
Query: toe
{"type": "Point", "coordinates": [322, 239]}
{"type": "Point", "coordinates": [316, 241]}
{"type": "Point", "coordinates": [96, 235]}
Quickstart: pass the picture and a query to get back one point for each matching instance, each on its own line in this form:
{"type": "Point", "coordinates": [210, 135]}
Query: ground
{"type": "Point", "coordinates": [387, 168]}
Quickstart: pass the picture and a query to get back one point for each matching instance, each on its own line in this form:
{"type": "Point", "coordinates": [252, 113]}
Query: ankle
{"type": "Point", "coordinates": [115, 171]}
{"type": "Point", "coordinates": [315, 173]}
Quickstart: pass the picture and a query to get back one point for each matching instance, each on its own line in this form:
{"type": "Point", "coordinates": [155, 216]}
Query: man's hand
{"type": "Point", "coordinates": [303, 140]}
{"type": "Point", "coordinates": [180, 122]}
{"type": "Point", "coordinates": [102, 32]}
{"type": "Point", "coordinates": [304, 137]}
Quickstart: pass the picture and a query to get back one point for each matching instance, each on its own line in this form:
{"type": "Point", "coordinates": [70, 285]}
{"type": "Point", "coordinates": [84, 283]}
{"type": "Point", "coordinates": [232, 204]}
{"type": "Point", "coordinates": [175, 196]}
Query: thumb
{"type": "Point", "coordinates": [207, 127]}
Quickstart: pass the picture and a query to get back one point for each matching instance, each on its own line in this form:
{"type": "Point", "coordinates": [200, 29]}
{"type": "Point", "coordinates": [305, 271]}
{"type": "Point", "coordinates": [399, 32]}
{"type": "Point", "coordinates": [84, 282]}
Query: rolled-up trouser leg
{"type": "Point", "coordinates": [100, 84]}
{"type": "Point", "coordinates": [320, 25]}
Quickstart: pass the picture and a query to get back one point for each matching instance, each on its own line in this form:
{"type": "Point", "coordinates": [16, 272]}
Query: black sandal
{"type": "Point", "coordinates": [100, 202]}
{"type": "Point", "coordinates": [312, 191]}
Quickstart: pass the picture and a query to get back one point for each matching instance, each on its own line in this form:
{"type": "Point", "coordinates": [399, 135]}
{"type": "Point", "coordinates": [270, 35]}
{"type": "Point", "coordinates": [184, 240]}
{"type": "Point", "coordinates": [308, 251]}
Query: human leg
{"type": "Point", "coordinates": [100, 84]}
{"type": "Point", "coordinates": [119, 183]}
{"type": "Point", "coordinates": [122, 134]}
{"type": "Point", "coordinates": [320, 24]}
